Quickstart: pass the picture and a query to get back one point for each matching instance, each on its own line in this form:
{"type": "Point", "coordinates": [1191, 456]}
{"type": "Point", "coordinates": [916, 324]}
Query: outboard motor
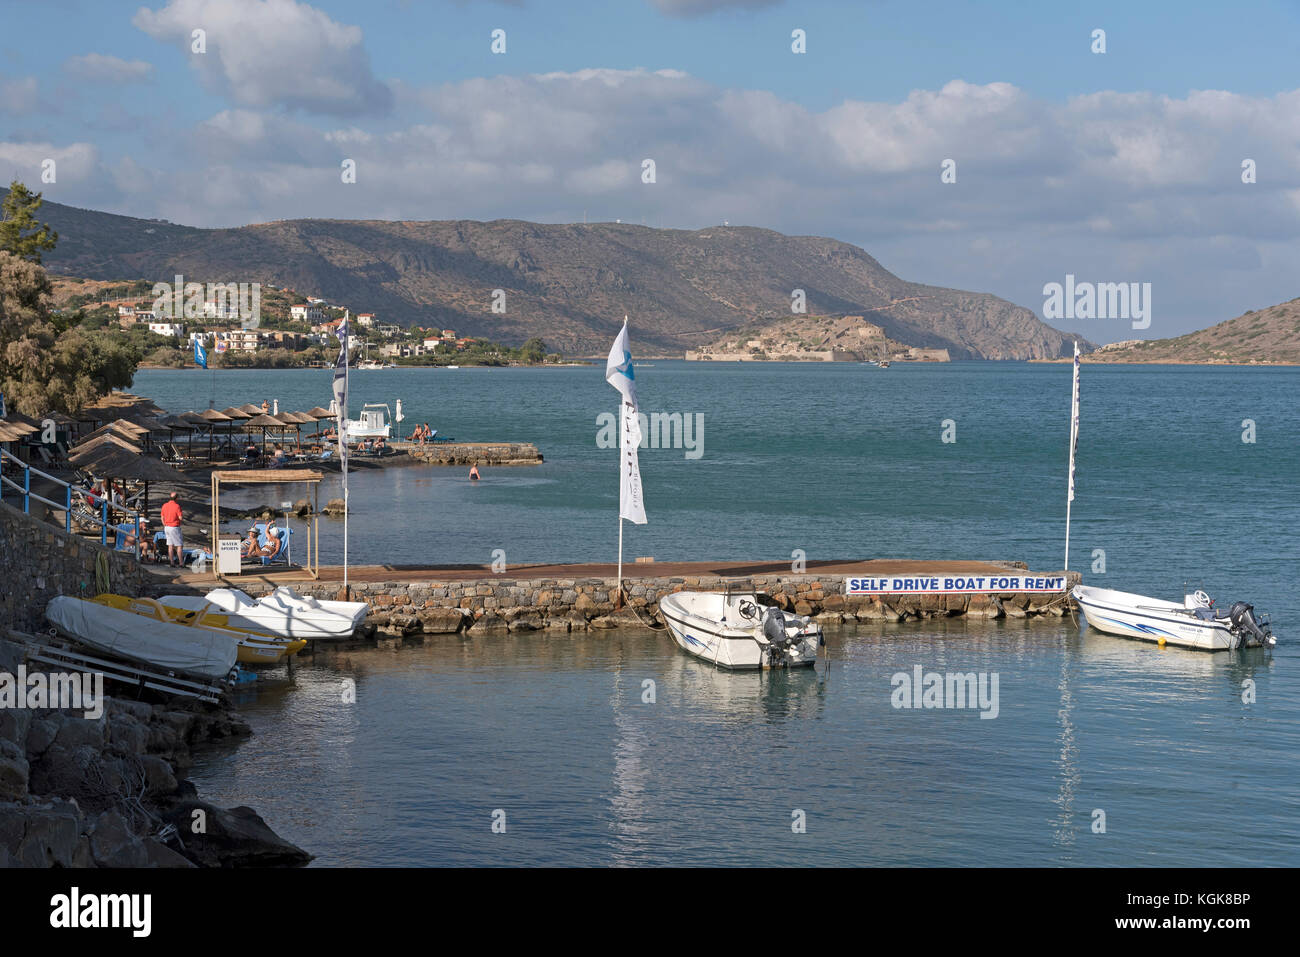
{"type": "Point", "coordinates": [1247, 628]}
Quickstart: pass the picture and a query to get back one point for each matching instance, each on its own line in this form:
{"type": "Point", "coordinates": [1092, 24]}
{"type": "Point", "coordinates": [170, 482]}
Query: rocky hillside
{"type": "Point", "coordinates": [569, 284]}
{"type": "Point", "coordinates": [1264, 335]}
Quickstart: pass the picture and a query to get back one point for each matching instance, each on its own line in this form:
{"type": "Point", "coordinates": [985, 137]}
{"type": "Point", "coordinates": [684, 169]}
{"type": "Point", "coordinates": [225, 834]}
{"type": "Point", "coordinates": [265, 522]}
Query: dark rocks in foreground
{"type": "Point", "coordinates": [110, 791]}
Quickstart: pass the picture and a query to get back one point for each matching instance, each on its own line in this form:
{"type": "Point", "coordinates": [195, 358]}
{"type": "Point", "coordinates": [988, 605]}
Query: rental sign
{"type": "Point", "coordinates": [953, 584]}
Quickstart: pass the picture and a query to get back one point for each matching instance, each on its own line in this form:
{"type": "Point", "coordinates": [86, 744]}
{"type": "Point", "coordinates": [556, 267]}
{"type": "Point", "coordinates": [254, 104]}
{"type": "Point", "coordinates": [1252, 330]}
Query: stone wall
{"type": "Point", "coordinates": [499, 604]}
{"type": "Point", "coordinates": [482, 453]}
{"type": "Point", "coordinates": [39, 561]}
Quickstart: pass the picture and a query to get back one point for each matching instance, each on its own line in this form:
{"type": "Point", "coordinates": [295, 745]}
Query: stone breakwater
{"type": "Point", "coordinates": [471, 453]}
{"type": "Point", "coordinates": [101, 792]}
{"type": "Point", "coordinates": [39, 561]}
{"type": "Point", "coordinates": [499, 604]}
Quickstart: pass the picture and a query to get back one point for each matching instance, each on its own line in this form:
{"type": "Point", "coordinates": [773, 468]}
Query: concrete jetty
{"type": "Point", "coordinates": [473, 599]}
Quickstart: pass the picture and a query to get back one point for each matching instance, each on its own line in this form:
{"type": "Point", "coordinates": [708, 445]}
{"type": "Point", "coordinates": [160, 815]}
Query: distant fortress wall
{"type": "Point", "coordinates": [830, 355]}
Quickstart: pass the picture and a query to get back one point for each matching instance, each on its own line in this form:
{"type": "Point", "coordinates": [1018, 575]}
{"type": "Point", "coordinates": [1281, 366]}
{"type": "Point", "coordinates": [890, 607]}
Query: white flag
{"type": "Point", "coordinates": [619, 373]}
{"type": "Point", "coordinates": [1074, 419]}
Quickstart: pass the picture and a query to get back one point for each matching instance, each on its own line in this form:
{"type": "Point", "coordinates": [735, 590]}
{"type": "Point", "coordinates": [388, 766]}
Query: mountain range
{"type": "Point", "coordinates": [569, 284]}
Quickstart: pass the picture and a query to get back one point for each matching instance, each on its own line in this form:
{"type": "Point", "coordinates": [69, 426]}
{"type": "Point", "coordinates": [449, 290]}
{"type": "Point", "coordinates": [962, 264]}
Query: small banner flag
{"type": "Point", "coordinates": [200, 355]}
{"type": "Point", "coordinates": [341, 390]}
{"type": "Point", "coordinates": [1074, 419]}
{"type": "Point", "coordinates": [620, 374]}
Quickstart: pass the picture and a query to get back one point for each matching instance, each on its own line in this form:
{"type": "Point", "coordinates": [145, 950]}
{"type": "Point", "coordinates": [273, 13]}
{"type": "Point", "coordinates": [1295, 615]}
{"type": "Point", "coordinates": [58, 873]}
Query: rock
{"type": "Point", "coordinates": [42, 835]}
{"type": "Point", "coordinates": [302, 508]}
{"type": "Point", "coordinates": [561, 625]}
{"type": "Point", "coordinates": [127, 733]}
{"type": "Point", "coordinates": [335, 506]}
{"type": "Point", "coordinates": [114, 844]}
{"type": "Point", "coordinates": [585, 604]}
{"type": "Point", "coordinates": [526, 623]}
{"type": "Point", "coordinates": [76, 731]}
{"type": "Point", "coordinates": [40, 736]}
{"type": "Point", "coordinates": [14, 771]}
{"type": "Point", "coordinates": [158, 854]}
{"type": "Point", "coordinates": [399, 626]}
{"type": "Point", "coordinates": [442, 621]}
{"type": "Point", "coordinates": [137, 709]}
{"type": "Point", "coordinates": [237, 837]}
{"type": "Point", "coordinates": [802, 607]}
{"type": "Point", "coordinates": [829, 618]}
{"type": "Point", "coordinates": [603, 621]}
{"type": "Point", "coordinates": [490, 623]}
{"type": "Point", "coordinates": [14, 724]}
{"type": "Point", "coordinates": [160, 780]}
{"type": "Point", "coordinates": [1012, 610]}
{"type": "Point", "coordinates": [983, 606]}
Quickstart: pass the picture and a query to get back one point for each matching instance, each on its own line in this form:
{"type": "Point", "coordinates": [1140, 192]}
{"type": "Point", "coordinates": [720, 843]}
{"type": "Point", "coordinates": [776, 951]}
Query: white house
{"type": "Point", "coordinates": [366, 319]}
{"type": "Point", "coordinates": [243, 340]}
{"type": "Point", "coordinates": [310, 312]}
{"type": "Point", "coordinates": [173, 329]}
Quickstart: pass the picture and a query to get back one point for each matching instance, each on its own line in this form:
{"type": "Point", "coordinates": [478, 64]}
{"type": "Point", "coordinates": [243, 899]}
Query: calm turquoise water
{"type": "Point", "coordinates": [840, 461]}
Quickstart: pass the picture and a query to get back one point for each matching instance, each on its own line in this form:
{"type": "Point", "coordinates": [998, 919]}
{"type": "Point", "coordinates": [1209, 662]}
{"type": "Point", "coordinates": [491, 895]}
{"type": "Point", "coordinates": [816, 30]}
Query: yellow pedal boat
{"type": "Point", "coordinates": [255, 647]}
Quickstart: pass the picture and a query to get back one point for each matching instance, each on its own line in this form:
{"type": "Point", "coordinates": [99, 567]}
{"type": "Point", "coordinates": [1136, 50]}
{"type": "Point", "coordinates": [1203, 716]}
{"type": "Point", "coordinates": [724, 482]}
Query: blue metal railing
{"type": "Point", "coordinates": [102, 519]}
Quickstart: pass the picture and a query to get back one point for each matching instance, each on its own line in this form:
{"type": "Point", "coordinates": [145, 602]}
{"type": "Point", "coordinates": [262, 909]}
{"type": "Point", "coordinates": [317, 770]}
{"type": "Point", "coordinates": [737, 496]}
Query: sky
{"type": "Point", "coordinates": [1122, 166]}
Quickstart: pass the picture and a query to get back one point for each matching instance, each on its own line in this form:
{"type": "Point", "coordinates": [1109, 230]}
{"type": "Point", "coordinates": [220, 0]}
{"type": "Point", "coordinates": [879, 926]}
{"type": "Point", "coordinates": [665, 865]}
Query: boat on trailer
{"type": "Point", "coordinates": [733, 630]}
{"type": "Point", "coordinates": [1196, 623]}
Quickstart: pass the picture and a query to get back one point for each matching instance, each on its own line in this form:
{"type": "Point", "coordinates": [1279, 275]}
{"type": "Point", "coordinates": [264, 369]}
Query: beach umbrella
{"type": "Point", "coordinates": [265, 421]}
{"type": "Point", "coordinates": [251, 409]}
{"type": "Point", "coordinates": [211, 417]}
{"type": "Point", "coordinates": [111, 458]}
{"type": "Point", "coordinates": [121, 428]}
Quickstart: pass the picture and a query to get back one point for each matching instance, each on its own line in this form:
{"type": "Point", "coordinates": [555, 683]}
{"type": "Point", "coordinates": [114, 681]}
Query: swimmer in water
{"type": "Point", "coordinates": [473, 473]}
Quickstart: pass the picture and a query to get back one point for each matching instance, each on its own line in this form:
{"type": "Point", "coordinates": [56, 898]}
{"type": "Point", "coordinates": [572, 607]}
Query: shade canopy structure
{"type": "Point", "coordinates": [178, 423]}
{"type": "Point", "coordinates": [112, 458]}
{"type": "Point", "coordinates": [114, 404]}
{"type": "Point", "coordinates": [235, 412]}
{"type": "Point", "coordinates": [119, 427]}
{"type": "Point", "coordinates": [252, 409]}
{"type": "Point", "coordinates": [58, 418]}
{"type": "Point", "coordinates": [262, 477]}
{"type": "Point", "coordinates": [319, 413]}
{"type": "Point", "coordinates": [209, 415]}
{"type": "Point", "coordinates": [13, 433]}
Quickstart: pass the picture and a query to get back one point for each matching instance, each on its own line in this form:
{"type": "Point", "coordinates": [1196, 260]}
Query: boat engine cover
{"type": "Point", "coordinates": [774, 626]}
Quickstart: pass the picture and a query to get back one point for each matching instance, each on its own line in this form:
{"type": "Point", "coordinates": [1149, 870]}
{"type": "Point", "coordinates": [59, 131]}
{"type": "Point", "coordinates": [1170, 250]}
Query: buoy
{"type": "Point", "coordinates": [1160, 641]}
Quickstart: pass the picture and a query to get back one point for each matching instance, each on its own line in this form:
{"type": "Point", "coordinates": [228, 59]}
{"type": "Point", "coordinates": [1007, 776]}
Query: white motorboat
{"type": "Point", "coordinates": [1196, 623]}
{"type": "Point", "coordinates": [181, 649]}
{"type": "Point", "coordinates": [283, 612]}
{"type": "Point", "coordinates": [373, 423]}
{"type": "Point", "coordinates": [732, 630]}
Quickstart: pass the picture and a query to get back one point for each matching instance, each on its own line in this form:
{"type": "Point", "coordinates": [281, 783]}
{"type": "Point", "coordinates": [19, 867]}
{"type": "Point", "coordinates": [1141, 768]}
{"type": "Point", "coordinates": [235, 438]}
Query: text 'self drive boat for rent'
{"type": "Point", "coordinates": [1196, 623]}
{"type": "Point", "coordinates": [283, 612]}
{"type": "Point", "coordinates": [181, 649]}
{"type": "Point", "coordinates": [732, 630]}
{"type": "Point", "coordinates": [256, 647]}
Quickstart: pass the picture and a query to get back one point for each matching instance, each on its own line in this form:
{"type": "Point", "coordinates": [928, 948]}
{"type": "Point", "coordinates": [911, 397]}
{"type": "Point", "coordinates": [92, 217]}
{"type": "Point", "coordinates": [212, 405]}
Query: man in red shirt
{"type": "Point", "coordinates": [171, 519]}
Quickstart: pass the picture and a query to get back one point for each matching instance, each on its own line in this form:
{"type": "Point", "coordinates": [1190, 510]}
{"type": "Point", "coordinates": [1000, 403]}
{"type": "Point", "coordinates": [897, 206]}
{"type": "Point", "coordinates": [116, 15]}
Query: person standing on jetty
{"type": "Point", "coordinates": [171, 519]}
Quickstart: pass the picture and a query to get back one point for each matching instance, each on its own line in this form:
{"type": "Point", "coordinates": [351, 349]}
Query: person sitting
{"type": "Point", "coordinates": [367, 445]}
{"type": "Point", "coordinates": [279, 459]}
{"type": "Point", "coordinates": [251, 454]}
{"type": "Point", "coordinates": [250, 547]}
{"type": "Point", "coordinates": [274, 543]}
{"type": "Point", "coordinates": [380, 445]}
{"type": "Point", "coordinates": [148, 550]}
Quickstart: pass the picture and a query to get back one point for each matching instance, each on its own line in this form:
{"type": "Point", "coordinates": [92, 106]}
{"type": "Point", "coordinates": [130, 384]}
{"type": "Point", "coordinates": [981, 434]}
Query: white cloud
{"type": "Point", "coordinates": [102, 68]}
{"type": "Point", "coordinates": [264, 53]}
{"type": "Point", "coordinates": [1110, 187]}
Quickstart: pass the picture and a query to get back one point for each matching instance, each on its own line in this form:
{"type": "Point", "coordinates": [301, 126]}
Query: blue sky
{"type": "Point", "coordinates": [1123, 166]}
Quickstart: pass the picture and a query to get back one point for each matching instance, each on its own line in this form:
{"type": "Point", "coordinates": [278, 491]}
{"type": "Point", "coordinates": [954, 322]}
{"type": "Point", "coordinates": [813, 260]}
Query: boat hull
{"type": "Point", "coordinates": [256, 647]}
{"type": "Point", "coordinates": [284, 612]}
{"type": "Point", "coordinates": [736, 648]}
{"type": "Point", "coordinates": [181, 649]}
{"type": "Point", "coordinates": [1115, 613]}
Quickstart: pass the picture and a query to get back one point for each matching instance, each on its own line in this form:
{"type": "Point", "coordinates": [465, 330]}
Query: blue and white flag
{"type": "Point", "coordinates": [620, 374]}
{"type": "Point", "coordinates": [200, 355]}
{"type": "Point", "coordinates": [341, 390]}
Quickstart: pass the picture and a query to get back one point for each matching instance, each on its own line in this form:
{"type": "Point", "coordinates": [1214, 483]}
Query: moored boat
{"type": "Point", "coordinates": [732, 630]}
{"type": "Point", "coordinates": [283, 612]}
{"type": "Point", "coordinates": [1196, 623]}
{"type": "Point", "coordinates": [159, 643]}
{"type": "Point", "coordinates": [256, 647]}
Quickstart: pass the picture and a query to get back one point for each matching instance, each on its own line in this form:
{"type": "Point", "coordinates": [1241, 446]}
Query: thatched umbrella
{"type": "Point", "coordinates": [211, 417]}
{"type": "Point", "coordinates": [111, 457]}
{"type": "Point", "coordinates": [297, 420]}
{"type": "Point", "coordinates": [265, 421]}
{"type": "Point", "coordinates": [121, 428]}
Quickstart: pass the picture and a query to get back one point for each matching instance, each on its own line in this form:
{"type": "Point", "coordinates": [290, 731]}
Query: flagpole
{"type": "Point", "coordinates": [346, 384]}
{"type": "Point", "coordinates": [1074, 440]}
